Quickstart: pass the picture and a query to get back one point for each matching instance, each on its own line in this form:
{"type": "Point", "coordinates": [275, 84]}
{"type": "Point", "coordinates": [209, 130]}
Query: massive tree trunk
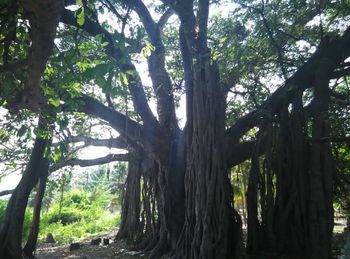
{"type": "Point", "coordinates": [12, 226]}
{"type": "Point", "coordinates": [321, 171]}
{"type": "Point", "coordinates": [212, 226]}
{"type": "Point", "coordinates": [170, 198]}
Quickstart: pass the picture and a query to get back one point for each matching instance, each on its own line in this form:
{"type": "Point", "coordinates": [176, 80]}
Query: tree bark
{"type": "Point", "coordinates": [254, 237]}
{"type": "Point", "coordinates": [321, 176]}
{"type": "Point", "coordinates": [212, 226]}
{"type": "Point", "coordinates": [170, 197]}
{"type": "Point", "coordinates": [12, 226]}
{"type": "Point", "coordinates": [43, 18]}
{"type": "Point", "coordinates": [130, 225]}
{"type": "Point", "coordinates": [30, 246]}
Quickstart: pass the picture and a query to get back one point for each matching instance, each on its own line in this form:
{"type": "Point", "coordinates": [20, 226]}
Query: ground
{"type": "Point", "coordinates": [118, 249]}
{"type": "Point", "coordinates": [114, 250]}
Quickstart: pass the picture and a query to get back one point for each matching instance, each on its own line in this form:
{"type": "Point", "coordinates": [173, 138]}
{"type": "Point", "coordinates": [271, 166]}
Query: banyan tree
{"type": "Point", "coordinates": [261, 82]}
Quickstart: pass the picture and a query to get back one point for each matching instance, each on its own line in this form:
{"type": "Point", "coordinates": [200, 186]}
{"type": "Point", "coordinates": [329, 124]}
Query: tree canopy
{"type": "Point", "coordinates": [265, 81]}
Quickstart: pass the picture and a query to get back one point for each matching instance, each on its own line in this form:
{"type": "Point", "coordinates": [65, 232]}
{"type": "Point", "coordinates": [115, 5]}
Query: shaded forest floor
{"type": "Point", "coordinates": [119, 248]}
{"type": "Point", "coordinates": [116, 249]}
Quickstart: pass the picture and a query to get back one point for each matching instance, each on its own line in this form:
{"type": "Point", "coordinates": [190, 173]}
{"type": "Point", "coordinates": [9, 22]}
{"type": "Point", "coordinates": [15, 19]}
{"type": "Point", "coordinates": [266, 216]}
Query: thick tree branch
{"type": "Point", "coordinates": [10, 68]}
{"type": "Point", "coordinates": [333, 51]}
{"type": "Point", "coordinates": [202, 17]}
{"type": "Point", "coordinates": [6, 192]}
{"type": "Point", "coordinates": [243, 151]}
{"type": "Point", "coordinates": [162, 85]}
{"type": "Point", "coordinates": [145, 17]}
{"type": "Point", "coordinates": [117, 120]}
{"type": "Point", "coordinates": [118, 142]}
{"type": "Point", "coordinates": [91, 162]}
{"type": "Point", "coordinates": [184, 9]}
{"type": "Point", "coordinates": [134, 83]}
{"type": "Point", "coordinates": [146, 137]}
{"type": "Point", "coordinates": [164, 18]}
{"type": "Point", "coordinates": [43, 19]}
{"type": "Point", "coordinates": [340, 73]}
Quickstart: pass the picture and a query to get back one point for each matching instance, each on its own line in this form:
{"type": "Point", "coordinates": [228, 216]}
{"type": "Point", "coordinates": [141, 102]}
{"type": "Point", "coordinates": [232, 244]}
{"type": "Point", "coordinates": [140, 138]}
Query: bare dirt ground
{"type": "Point", "coordinates": [87, 251]}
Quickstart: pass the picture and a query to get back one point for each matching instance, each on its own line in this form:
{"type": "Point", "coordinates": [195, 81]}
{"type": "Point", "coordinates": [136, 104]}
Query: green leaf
{"type": "Point", "coordinates": [147, 50]}
{"type": "Point", "coordinates": [56, 155]}
{"type": "Point", "coordinates": [54, 102]}
{"type": "Point", "coordinates": [3, 135]}
{"type": "Point", "coordinates": [74, 90]}
{"type": "Point", "coordinates": [80, 16]}
{"type": "Point", "coordinates": [123, 78]}
{"type": "Point", "coordinates": [98, 37]}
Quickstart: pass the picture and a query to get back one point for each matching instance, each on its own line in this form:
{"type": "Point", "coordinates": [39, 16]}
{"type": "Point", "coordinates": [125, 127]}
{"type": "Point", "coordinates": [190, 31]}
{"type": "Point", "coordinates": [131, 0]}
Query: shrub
{"type": "Point", "coordinates": [27, 224]}
{"type": "Point", "coordinates": [83, 215]}
{"type": "Point", "coordinates": [76, 198]}
{"type": "Point", "coordinates": [67, 216]}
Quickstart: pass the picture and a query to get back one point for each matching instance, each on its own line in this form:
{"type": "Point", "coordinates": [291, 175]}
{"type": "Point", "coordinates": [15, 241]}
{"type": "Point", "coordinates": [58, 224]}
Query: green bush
{"type": "Point", "coordinates": [85, 228]}
{"type": "Point", "coordinates": [67, 216]}
{"type": "Point", "coordinates": [28, 217]}
{"type": "Point", "coordinates": [77, 198]}
{"type": "Point", "coordinates": [83, 215]}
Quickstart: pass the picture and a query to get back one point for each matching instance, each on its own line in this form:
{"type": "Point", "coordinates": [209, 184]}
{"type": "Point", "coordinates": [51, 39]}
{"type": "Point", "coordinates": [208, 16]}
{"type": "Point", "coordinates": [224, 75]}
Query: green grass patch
{"type": "Point", "coordinates": [81, 216]}
{"type": "Point", "coordinates": [84, 228]}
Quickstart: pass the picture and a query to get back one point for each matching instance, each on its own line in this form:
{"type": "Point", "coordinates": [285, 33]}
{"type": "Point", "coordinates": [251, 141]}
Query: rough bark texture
{"type": "Point", "coordinates": [254, 241]}
{"type": "Point", "coordinates": [297, 221]}
{"type": "Point", "coordinates": [12, 226]}
{"type": "Point", "coordinates": [130, 225]}
{"type": "Point", "coordinates": [212, 227]}
{"type": "Point", "coordinates": [170, 196]}
{"type": "Point", "coordinates": [30, 246]}
{"type": "Point", "coordinates": [290, 165]}
{"type": "Point", "coordinates": [321, 175]}
{"type": "Point", "coordinates": [43, 19]}
{"type": "Point", "coordinates": [149, 215]}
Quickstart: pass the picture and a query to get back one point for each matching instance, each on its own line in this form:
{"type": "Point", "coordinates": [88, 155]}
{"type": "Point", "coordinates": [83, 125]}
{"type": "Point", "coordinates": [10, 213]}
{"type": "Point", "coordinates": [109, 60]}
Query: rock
{"type": "Point", "coordinates": [106, 241]}
{"type": "Point", "coordinates": [96, 241]}
{"type": "Point", "coordinates": [50, 239]}
{"type": "Point", "coordinates": [74, 246]}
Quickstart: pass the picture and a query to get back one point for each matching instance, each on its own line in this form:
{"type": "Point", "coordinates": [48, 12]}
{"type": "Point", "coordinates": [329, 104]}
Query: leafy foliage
{"type": "Point", "coordinates": [83, 215]}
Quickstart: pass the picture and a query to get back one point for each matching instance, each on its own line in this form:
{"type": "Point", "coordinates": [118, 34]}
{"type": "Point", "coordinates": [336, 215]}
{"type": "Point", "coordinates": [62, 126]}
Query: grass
{"type": "Point", "coordinates": [82, 216]}
{"type": "Point", "coordinates": [85, 228]}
